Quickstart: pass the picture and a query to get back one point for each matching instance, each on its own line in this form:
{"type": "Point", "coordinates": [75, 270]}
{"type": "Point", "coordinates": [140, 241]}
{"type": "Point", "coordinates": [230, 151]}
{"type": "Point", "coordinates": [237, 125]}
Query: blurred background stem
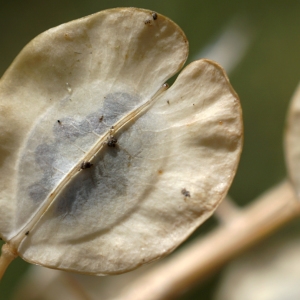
{"type": "Point", "coordinates": [200, 258]}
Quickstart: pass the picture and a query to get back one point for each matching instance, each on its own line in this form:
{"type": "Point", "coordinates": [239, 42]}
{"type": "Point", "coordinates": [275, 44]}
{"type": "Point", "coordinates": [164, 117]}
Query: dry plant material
{"type": "Point", "coordinates": [93, 158]}
{"type": "Point", "coordinates": [292, 141]}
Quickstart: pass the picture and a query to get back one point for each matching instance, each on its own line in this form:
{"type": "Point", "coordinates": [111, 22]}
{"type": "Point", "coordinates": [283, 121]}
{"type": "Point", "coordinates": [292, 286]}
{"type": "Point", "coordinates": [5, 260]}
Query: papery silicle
{"type": "Point", "coordinates": [103, 168]}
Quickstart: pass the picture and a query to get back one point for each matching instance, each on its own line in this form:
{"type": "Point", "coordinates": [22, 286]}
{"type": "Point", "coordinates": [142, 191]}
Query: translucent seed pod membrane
{"type": "Point", "coordinates": [103, 167]}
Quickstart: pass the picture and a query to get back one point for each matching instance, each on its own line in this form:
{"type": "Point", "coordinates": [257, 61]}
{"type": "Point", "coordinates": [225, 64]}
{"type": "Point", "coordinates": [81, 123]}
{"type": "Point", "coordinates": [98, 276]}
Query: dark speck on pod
{"type": "Point", "coordinates": [59, 122]}
{"type": "Point", "coordinates": [101, 119]}
{"type": "Point", "coordinates": [148, 22]}
{"type": "Point", "coordinates": [168, 101]}
{"type": "Point", "coordinates": [112, 141]}
{"type": "Point", "coordinates": [154, 15]}
{"type": "Point", "coordinates": [27, 232]}
{"type": "Point", "coordinates": [85, 165]}
{"type": "Point", "coordinates": [185, 193]}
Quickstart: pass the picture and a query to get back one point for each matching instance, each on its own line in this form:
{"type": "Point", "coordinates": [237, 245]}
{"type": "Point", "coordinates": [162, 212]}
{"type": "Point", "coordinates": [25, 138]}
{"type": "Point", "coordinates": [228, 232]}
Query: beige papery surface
{"type": "Point", "coordinates": [102, 167]}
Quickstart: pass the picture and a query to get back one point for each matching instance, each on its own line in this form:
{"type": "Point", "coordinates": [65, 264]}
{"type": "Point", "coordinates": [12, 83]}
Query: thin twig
{"type": "Point", "coordinates": [74, 286]}
{"type": "Point", "coordinates": [227, 211]}
{"type": "Point", "coordinates": [169, 279]}
{"type": "Point", "coordinates": [8, 254]}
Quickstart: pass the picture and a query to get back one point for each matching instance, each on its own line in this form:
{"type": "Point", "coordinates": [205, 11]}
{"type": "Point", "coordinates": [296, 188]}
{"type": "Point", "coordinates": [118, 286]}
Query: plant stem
{"type": "Point", "coordinates": [227, 211]}
{"type": "Point", "coordinates": [8, 254]}
{"type": "Point", "coordinates": [172, 277]}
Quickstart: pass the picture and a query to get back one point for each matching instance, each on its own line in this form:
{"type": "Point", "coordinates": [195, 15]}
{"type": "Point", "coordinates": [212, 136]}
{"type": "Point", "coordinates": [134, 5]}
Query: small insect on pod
{"type": "Point", "coordinates": [112, 141]}
{"type": "Point", "coordinates": [185, 193]}
{"type": "Point", "coordinates": [85, 165]}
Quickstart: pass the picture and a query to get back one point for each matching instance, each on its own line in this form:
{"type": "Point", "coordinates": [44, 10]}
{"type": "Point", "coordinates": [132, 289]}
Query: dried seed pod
{"type": "Point", "coordinates": [121, 213]}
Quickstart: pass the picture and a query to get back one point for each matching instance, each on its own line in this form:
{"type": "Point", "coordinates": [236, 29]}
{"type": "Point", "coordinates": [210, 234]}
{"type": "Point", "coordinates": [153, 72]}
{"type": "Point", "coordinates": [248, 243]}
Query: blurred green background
{"type": "Point", "coordinates": [265, 78]}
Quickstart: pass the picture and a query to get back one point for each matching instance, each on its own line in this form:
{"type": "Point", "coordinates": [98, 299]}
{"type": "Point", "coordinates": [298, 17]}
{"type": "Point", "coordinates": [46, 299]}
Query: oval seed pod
{"type": "Point", "coordinates": [96, 151]}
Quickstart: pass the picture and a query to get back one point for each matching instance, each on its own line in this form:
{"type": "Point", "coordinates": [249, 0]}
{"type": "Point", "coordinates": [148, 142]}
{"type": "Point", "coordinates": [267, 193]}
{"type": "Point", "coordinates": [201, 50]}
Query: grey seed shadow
{"type": "Point", "coordinates": [104, 176]}
{"type": "Point", "coordinates": [68, 130]}
{"type": "Point", "coordinates": [81, 187]}
{"type": "Point", "coordinates": [44, 158]}
{"type": "Point", "coordinates": [87, 237]}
